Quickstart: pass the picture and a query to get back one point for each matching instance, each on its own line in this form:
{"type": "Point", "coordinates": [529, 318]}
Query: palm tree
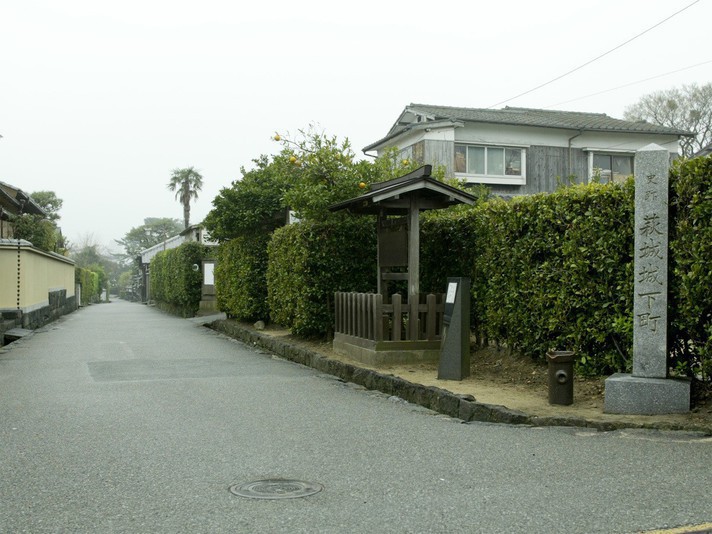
{"type": "Point", "coordinates": [186, 183]}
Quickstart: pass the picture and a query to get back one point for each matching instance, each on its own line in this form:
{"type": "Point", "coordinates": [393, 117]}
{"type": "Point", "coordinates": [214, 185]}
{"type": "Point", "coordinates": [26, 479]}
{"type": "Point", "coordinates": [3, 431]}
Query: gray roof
{"type": "Point", "coordinates": [704, 151]}
{"type": "Point", "coordinates": [542, 118]}
{"type": "Point", "coordinates": [392, 196]}
{"type": "Point", "coordinates": [13, 197]}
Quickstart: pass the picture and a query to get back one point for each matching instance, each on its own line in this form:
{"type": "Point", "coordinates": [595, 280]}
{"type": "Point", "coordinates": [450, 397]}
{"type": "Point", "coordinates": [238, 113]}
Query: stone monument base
{"type": "Point", "coordinates": [379, 353]}
{"type": "Point", "coordinates": [628, 394]}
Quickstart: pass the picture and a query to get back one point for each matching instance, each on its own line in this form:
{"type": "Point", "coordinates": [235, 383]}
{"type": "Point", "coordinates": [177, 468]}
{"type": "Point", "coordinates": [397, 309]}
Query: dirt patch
{"type": "Point", "coordinates": [501, 378]}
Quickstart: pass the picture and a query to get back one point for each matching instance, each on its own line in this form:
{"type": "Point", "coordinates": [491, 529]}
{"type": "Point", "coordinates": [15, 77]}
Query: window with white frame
{"type": "Point", "coordinates": [496, 164]}
{"type": "Point", "coordinates": [611, 167]}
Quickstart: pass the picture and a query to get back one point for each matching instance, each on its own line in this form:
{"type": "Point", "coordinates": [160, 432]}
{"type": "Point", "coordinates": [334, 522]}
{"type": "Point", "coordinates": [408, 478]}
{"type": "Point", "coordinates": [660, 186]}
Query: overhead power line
{"type": "Point", "coordinates": [629, 84]}
{"type": "Point", "coordinates": [594, 59]}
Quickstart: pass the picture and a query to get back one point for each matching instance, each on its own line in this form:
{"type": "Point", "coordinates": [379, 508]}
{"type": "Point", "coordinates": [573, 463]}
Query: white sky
{"type": "Point", "coordinates": [99, 101]}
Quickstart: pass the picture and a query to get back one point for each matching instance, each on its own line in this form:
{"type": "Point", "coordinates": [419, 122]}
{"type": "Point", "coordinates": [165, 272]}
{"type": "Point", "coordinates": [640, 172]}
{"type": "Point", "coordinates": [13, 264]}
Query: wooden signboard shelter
{"type": "Point", "coordinates": [397, 204]}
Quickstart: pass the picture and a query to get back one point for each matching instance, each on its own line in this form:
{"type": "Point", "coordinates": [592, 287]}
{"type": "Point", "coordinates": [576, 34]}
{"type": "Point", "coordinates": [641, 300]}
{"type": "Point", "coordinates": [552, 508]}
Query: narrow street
{"type": "Point", "coordinates": [120, 418]}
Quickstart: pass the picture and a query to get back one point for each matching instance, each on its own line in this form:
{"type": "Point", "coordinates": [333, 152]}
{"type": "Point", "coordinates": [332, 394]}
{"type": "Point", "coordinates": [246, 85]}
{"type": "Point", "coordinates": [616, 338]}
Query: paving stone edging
{"type": "Point", "coordinates": [462, 407]}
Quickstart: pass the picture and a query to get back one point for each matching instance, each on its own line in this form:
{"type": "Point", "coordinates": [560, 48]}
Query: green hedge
{"type": "Point", "coordinates": [89, 281]}
{"type": "Point", "coordinates": [557, 273]}
{"type": "Point", "coordinates": [241, 277]}
{"type": "Point", "coordinates": [690, 304]}
{"type": "Point", "coordinates": [309, 261]}
{"type": "Point", "coordinates": [548, 270]}
{"type": "Point", "coordinates": [556, 270]}
{"type": "Point", "coordinates": [175, 286]}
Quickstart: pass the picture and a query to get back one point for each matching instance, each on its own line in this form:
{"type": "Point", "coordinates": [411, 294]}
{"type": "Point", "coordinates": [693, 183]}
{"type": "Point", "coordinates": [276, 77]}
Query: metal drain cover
{"type": "Point", "coordinates": [276, 488]}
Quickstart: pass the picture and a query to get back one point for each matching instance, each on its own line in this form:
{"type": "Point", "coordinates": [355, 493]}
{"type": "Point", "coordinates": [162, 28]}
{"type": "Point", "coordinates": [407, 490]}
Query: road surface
{"type": "Point", "coordinates": [120, 418]}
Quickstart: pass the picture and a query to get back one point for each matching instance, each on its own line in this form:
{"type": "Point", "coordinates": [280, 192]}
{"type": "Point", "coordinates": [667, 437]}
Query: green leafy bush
{"type": "Point", "coordinates": [241, 277]}
{"type": "Point", "coordinates": [690, 303]}
{"type": "Point", "coordinates": [309, 261]}
{"type": "Point", "coordinates": [175, 286]}
{"type": "Point", "coordinates": [89, 282]}
{"type": "Point", "coordinates": [42, 233]}
{"type": "Point", "coordinates": [548, 270]}
{"type": "Point", "coordinates": [556, 270]}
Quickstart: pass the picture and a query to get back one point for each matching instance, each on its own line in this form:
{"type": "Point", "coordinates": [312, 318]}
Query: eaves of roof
{"type": "Point", "coordinates": [445, 123]}
{"type": "Point", "coordinates": [544, 118]}
{"type": "Point", "coordinates": [511, 116]}
{"type": "Point", "coordinates": [418, 180]}
{"type": "Point", "coordinates": [11, 194]}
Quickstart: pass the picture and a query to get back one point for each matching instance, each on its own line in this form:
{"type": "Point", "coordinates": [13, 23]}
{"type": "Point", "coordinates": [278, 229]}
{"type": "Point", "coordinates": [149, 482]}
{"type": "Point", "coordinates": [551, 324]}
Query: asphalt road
{"type": "Point", "coordinates": [119, 418]}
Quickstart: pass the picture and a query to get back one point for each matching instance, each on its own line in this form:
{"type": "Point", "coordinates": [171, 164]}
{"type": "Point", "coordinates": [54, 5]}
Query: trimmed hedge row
{"type": "Point", "coordinates": [548, 270]}
{"type": "Point", "coordinates": [309, 261]}
{"type": "Point", "coordinates": [175, 286]}
{"type": "Point", "coordinates": [89, 280]}
{"type": "Point", "coordinates": [241, 277]}
{"type": "Point", "coordinates": [690, 302]}
{"type": "Point", "coordinates": [556, 271]}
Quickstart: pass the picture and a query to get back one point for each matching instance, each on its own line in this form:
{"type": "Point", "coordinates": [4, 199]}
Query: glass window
{"type": "Point", "coordinates": [512, 162]}
{"type": "Point", "coordinates": [489, 161]}
{"type": "Point", "coordinates": [612, 168]}
{"type": "Point", "coordinates": [602, 167]}
{"type": "Point", "coordinates": [460, 158]}
{"type": "Point", "coordinates": [495, 161]}
{"type": "Point", "coordinates": [476, 159]}
{"type": "Point", "coordinates": [621, 167]}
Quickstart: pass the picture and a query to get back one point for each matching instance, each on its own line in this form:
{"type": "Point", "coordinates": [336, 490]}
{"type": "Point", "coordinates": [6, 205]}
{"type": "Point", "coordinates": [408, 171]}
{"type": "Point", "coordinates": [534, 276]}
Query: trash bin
{"type": "Point", "coordinates": [561, 376]}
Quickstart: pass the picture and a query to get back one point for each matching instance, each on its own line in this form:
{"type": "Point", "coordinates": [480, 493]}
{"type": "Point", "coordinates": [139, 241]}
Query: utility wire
{"type": "Point", "coordinates": [594, 59]}
{"type": "Point", "coordinates": [628, 84]}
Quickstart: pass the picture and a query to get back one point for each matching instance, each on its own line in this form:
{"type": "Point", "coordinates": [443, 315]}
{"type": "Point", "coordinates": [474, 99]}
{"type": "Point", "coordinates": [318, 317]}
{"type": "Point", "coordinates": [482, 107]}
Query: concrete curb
{"type": "Point", "coordinates": [440, 400]}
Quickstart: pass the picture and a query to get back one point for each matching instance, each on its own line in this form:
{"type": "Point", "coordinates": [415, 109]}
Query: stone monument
{"type": "Point", "coordinates": [648, 390]}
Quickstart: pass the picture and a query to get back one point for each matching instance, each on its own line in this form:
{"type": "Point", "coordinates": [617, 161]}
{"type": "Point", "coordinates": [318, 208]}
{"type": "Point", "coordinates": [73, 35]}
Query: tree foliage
{"type": "Point", "coordinates": [686, 108]}
{"type": "Point", "coordinates": [39, 231]}
{"type": "Point", "coordinates": [323, 171]}
{"type": "Point", "coordinates": [311, 172]}
{"type": "Point", "coordinates": [186, 183]}
{"type": "Point", "coordinates": [154, 230]}
{"type": "Point", "coordinates": [253, 204]}
{"type": "Point", "coordinates": [49, 202]}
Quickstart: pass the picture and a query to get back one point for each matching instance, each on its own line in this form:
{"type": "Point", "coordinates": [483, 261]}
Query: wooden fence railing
{"type": "Point", "coordinates": [364, 315]}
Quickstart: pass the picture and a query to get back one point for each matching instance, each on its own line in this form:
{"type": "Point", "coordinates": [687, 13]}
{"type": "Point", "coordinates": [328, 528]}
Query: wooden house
{"type": "Point", "coordinates": [517, 151]}
{"type": "Point", "coordinates": [14, 202]}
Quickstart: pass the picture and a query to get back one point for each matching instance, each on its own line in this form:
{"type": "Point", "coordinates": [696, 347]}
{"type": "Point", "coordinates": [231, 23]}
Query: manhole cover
{"type": "Point", "coordinates": [276, 489]}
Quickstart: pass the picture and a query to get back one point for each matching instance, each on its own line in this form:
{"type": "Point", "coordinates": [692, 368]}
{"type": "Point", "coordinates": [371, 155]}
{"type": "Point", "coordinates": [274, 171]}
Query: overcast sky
{"type": "Point", "coordinates": [99, 101]}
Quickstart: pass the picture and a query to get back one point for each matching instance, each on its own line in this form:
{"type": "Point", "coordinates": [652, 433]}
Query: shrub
{"type": "Point", "coordinates": [548, 270]}
{"type": "Point", "coordinates": [241, 277]}
{"type": "Point", "coordinates": [89, 282]}
{"type": "Point", "coordinates": [690, 303]}
{"type": "Point", "coordinates": [309, 261]}
{"type": "Point", "coordinates": [175, 286]}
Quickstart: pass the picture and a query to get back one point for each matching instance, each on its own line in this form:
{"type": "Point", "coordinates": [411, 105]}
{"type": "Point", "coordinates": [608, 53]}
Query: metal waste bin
{"type": "Point", "coordinates": [561, 376]}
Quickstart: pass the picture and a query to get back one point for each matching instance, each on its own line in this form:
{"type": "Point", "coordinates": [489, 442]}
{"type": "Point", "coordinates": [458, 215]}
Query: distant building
{"type": "Point", "coordinates": [194, 233]}
{"type": "Point", "coordinates": [14, 201]}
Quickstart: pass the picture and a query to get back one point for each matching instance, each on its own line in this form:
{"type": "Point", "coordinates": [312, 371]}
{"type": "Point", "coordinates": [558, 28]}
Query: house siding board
{"type": "Point", "coordinates": [439, 153]}
{"type": "Point", "coordinates": [550, 167]}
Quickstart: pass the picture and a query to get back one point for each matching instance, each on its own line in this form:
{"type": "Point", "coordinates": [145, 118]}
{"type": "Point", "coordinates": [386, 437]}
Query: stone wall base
{"type": "Point", "coordinates": [378, 353]}
{"type": "Point", "coordinates": [628, 394]}
{"type": "Point", "coordinates": [59, 304]}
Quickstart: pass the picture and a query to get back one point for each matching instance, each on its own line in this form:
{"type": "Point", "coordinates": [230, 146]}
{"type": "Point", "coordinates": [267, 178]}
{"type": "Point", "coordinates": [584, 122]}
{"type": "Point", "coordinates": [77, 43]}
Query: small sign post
{"type": "Point", "coordinates": [455, 351]}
